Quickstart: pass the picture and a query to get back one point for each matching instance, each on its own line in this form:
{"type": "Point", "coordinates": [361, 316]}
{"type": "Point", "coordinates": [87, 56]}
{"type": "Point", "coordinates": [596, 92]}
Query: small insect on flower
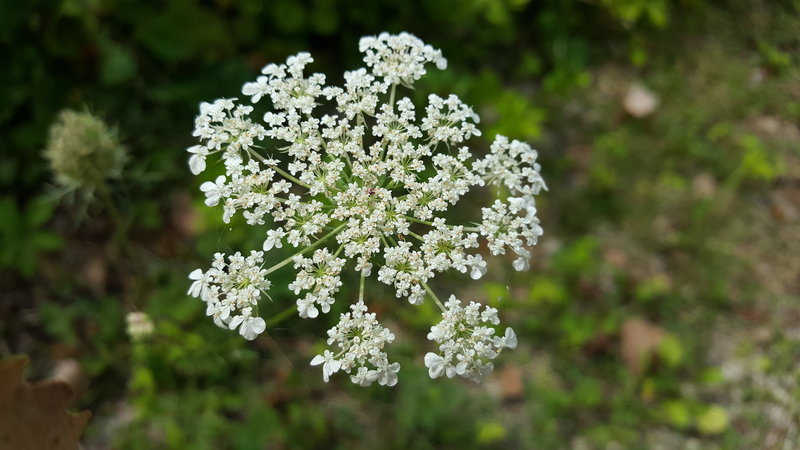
{"type": "Point", "coordinates": [365, 184]}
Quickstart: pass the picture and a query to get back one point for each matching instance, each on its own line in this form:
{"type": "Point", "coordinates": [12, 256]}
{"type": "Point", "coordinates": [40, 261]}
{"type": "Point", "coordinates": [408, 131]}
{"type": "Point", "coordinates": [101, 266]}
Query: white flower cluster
{"type": "Point", "coordinates": [366, 180]}
{"type": "Point", "coordinates": [359, 340]}
{"type": "Point", "coordinates": [319, 275]}
{"type": "Point", "coordinates": [466, 341]}
{"type": "Point", "coordinates": [399, 58]}
{"type": "Point", "coordinates": [231, 291]}
{"type": "Point", "coordinates": [512, 222]}
{"type": "Point", "coordinates": [139, 325]}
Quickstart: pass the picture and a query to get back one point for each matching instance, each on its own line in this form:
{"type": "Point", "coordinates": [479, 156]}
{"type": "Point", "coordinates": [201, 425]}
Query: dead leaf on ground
{"type": "Point", "coordinates": [33, 415]}
{"type": "Point", "coordinates": [639, 341]}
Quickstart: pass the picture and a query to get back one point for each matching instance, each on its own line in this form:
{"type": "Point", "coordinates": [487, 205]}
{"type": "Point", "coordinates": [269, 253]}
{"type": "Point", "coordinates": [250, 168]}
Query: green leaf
{"type": "Point", "coordinates": [671, 351]}
{"type": "Point", "coordinates": [714, 420]}
{"type": "Point", "coordinates": [118, 63]}
{"type": "Point", "coordinates": [183, 31]}
{"type": "Point", "coordinates": [545, 290]}
{"type": "Point", "coordinates": [39, 212]}
{"type": "Point", "coordinates": [490, 432]}
{"type": "Point", "coordinates": [676, 413]}
{"type": "Point", "coordinates": [46, 241]}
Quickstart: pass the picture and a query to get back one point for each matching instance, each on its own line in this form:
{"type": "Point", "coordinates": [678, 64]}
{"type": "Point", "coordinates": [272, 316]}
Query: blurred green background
{"type": "Point", "coordinates": [661, 311]}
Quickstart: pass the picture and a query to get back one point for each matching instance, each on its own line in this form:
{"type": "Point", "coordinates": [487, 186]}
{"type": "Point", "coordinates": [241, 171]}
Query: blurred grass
{"type": "Point", "coordinates": [687, 219]}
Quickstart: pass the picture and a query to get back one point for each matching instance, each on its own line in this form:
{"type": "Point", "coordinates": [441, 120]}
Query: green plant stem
{"type": "Point", "coordinates": [283, 173]}
{"type": "Point", "coordinates": [120, 227]}
{"type": "Point", "coordinates": [361, 288]}
{"type": "Point", "coordinates": [425, 222]}
{"type": "Point", "coordinates": [307, 249]}
{"type": "Point", "coordinates": [289, 176]}
{"type": "Point", "coordinates": [434, 296]}
{"type": "Point", "coordinates": [281, 316]}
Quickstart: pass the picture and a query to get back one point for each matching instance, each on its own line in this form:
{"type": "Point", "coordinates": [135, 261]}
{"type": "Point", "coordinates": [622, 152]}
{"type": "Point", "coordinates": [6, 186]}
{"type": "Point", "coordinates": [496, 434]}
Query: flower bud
{"type": "Point", "coordinates": [83, 151]}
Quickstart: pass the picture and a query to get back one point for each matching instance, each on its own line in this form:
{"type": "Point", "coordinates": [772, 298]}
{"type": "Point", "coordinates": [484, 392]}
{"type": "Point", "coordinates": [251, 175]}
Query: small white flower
{"type": "Point", "coordinates": [509, 340]}
{"type": "Point", "coordinates": [436, 364]}
{"type": "Point", "coordinates": [139, 325]}
{"type": "Point", "coordinates": [478, 265]}
{"type": "Point", "coordinates": [249, 326]}
{"type": "Point", "coordinates": [330, 365]}
{"type": "Point", "coordinates": [306, 308]}
{"type": "Point", "coordinates": [387, 373]}
{"type": "Point", "coordinates": [364, 377]}
{"type": "Point", "coordinates": [199, 287]}
{"type": "Point", "coordinates": [256, 90]}
{"type": "Point", "coordinates": [274, 239]}
{"type": "Point", "coordinates": [220, 312]}
{"type": "Point", "coordinates": [214, 191]}
{"type": "Point", "coordinates": [252, 327]}
{"type": "Point", "coordinates": [197, 162]}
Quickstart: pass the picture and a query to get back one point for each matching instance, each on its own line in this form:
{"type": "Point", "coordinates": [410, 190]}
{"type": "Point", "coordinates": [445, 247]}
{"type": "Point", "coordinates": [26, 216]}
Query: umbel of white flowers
{"type": "Point", "coordinates": [364, 183]}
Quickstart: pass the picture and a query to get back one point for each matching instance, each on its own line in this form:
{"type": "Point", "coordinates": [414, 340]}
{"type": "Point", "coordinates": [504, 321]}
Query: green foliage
{"type": "Point", "coordinates": [629, 12]}
{"type": "Point", "coordinates": [24, 235]}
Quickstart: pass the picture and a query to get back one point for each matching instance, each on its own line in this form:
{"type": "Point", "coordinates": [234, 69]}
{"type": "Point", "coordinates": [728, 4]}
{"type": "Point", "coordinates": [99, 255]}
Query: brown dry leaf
{"type": "Point", "coordinates": [639, 340]}
{"type": "Point", "coordinates": [34, 416]}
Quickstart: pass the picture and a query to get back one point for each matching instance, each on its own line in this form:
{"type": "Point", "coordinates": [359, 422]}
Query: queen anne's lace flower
{"type": "Point", "coordinates": [231, 290]}
{"type": "Point", "coordinates": [399, 58]}
{"type": "Point", "coordinates": [319, 276]}
{"type": "Point", "coordinates": [366, 181]}
{"type": "Point", "coordinates": [359, 341]}
{"type": "Point", "coordinates": [467, 341]}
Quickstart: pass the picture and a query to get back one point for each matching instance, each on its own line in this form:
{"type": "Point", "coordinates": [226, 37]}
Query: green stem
{"type": "Point", "coordinates": [433, 296]}
{"type": "Point", "coordinates": [307, 249]}
{"type": "Point", "coordinates": [425, 222]}
{"type": "Point", "coordinates": [391, 95]}
{"type": "Point", "coordinates": [281, 316]}
{"type": "Point", "coordinates": [361, 288]}
{"type": "Point", "coordinates": [283, 173]}
{"type": "Point", "coordinates": [416, 235]}
{"type": "Point", "coordinates": [289, 176]}
{"type": "Point", "coordinates": [120, 226]}
{"type": "Point", "coordinates": [338, 250]}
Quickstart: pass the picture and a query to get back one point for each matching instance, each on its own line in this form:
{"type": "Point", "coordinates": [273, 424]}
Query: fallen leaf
{"type": "Point", "coordinates": [640, 339]}
{"type": "Point", "coordinates": [33, 416]}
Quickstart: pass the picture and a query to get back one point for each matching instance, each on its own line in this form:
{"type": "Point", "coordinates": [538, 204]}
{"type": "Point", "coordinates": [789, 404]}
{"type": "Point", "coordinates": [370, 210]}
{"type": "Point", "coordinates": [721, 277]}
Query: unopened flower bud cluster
{"type": "Point", "coordinates": [83, 151]}
{"type": "Point", "coordinates": [358, 177]}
